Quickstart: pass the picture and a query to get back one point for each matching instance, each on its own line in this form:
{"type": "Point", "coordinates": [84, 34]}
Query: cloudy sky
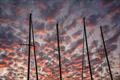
{"type": "Point", "coordinates": [14, 28]}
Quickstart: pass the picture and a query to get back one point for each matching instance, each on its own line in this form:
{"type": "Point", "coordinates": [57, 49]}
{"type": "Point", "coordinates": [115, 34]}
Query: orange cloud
{"type": "Point", "coordinates": [10, 50]}
{"type": "Point", "coordinates": [112, 12]}
{"type": "Point", "coordinates": [41, 5]}
{"type": "Point", "coordinates": [50, 20]}
{"type": "Point", "coordinates": [3, 64]}
{"type": "Point", "coordinates": [40, 32]}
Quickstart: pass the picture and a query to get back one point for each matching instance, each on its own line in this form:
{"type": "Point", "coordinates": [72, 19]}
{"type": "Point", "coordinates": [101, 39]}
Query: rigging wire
{"type": "Point", "coordinates": [83, 60]}
{"type": "Point", "coordinates": [94, 38]}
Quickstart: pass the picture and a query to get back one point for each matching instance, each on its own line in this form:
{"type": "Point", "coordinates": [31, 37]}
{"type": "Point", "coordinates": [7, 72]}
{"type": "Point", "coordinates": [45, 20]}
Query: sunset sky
{"type": "Point", "coordinates": [14, 28]}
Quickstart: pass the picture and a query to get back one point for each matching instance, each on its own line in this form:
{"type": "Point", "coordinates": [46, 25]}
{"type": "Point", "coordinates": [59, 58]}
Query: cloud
{"type": "Point", "coordinates": [105, 2]}
{"type": "Point", "coordinates": [14, 20]}
{"type": "Point", "coordinates": [7, 36]}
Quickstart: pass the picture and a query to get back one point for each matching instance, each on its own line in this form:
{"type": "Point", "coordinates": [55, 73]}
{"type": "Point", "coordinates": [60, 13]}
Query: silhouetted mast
{"type": "Point", "coordinates": [30, 44]}
{"type": "Point", "coordinates": [30, 27]}
{"type": "Point", "coordinates": [106, 53]}
{"type": "Point", "coordinates": [58, 44]}
{"type": "Point", "coordinates": [87, 49]}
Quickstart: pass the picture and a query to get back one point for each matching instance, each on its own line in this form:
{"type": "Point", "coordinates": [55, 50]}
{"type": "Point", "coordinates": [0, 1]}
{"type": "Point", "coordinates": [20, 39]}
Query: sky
{"type": "Point", "coordinates": [14, 28]}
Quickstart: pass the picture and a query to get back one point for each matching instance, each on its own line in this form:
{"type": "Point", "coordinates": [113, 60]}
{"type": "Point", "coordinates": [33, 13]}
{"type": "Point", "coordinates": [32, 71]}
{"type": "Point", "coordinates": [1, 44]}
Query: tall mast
{"type": "Point", "coordinates": [36, 68]}
{"type": "Point", "coordinates": [87, 49]}
{"type": "Point", "coordinates": [106, 53]}
{"type": "Point", "coordinates": [30, 44]}
{"type": "Point", "coordinates": [58, 45]}
{"type": "Point", "coordinates": [29, 50]}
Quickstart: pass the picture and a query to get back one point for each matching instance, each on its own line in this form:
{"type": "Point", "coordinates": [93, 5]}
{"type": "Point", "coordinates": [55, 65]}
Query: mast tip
{"type": "Point", "coordinates": [30, 14]}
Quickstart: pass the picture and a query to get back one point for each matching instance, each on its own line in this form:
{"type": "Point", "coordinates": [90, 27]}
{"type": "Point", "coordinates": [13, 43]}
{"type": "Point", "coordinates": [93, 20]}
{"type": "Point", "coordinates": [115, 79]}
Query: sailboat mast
{"type": "Point", "coordinates": [58, 45]}
{"type": "Point", "coordinates": [106, 53]}
{"type": "Point", "coordinates": [28, 73]}
{"type": "Point", "coordinates": [87, 49]}
{"type": "Point", "coordinates": [36, 68]}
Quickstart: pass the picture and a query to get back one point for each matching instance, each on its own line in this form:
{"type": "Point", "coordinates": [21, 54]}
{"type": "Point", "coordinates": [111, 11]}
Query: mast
{"type": "Point", "coordinates": [106, 53]}
{"type": "Point", "coordinates": [91, 75]}
{"type": "Point", "coordinates": [58, 45]}
{"type": "Point", "coordinates": [31, 36]}
{"type": "Point", "coordinates": [36, 68]}
{"type": "Point", "coordinates": [28, 73]}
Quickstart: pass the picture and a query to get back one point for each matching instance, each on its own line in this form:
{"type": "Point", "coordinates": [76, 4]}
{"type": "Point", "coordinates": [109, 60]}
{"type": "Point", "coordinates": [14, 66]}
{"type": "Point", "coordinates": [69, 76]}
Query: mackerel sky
{"type": "Point", "coordinates": [14, 26]}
